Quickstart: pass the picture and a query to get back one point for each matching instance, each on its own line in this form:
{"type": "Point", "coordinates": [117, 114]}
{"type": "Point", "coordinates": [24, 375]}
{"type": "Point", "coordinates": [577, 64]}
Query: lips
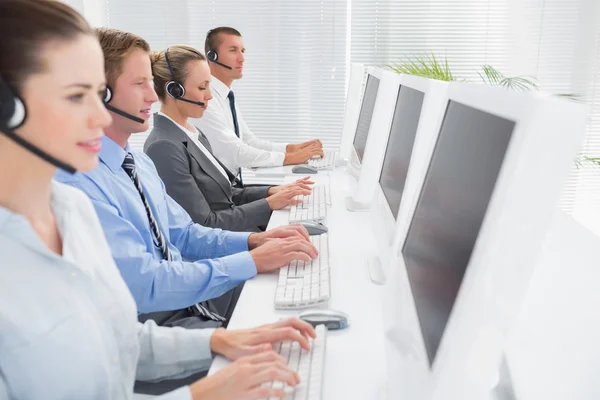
{"type": "Point", "coordinates": [92, 146]}
{"type": "Point", "coordinates": [145, 113]}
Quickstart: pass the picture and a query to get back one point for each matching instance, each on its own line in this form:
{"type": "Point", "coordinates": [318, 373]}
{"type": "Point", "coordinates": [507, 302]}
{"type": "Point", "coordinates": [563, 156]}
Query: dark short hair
{"type": "Point", "coordinates": [26, 26]}
{"type": "Point", "coordinates": [213, 37]}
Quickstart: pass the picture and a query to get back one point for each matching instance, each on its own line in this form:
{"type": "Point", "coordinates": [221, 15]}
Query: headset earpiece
{"type": "Point", "coordinates": [12, 109]}
{"type": "Point", "coordinates": [212, 56]}
{"type": "Point", "coordinates": [107, 95]}
{"type": "Point", "coordinates": [175, 90]}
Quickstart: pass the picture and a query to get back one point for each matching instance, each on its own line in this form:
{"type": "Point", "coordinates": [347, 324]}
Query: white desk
{"type": "Point", "coordinates": [274, 171]}
{"type": "Point", "coordinates": [355, 363]}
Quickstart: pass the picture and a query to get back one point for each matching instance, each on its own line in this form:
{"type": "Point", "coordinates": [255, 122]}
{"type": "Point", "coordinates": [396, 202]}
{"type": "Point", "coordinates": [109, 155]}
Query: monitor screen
{"type": "Point", "coordinates": [453, 201]}
{"type": "Point", "coordinates": [364, 118]}
{"type": "Point", "coordinates": [400, 145]}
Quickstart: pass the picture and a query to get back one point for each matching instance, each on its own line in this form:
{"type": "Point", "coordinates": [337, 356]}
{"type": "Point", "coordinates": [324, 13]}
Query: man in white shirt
{"type": "Point", "coordinates": [232, 141]}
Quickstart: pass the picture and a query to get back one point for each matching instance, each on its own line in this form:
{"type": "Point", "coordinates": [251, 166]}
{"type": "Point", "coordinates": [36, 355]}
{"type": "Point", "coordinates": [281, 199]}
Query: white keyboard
{"type": "Point", "coordinates": [309, 365]}
{"type": "Point", "coordinates": [304, 284]}
{"type": "Point", "coordinates": [313, 206]}
{"type": "Point", "coordinates": [325, 162]}
{"type": "Point", "coordinates": [319, 195]}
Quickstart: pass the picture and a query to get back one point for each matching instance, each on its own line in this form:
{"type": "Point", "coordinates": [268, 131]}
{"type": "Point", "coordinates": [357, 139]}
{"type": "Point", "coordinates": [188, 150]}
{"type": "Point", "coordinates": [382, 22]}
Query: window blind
{"type": "Point", "coordinates": [294, 77]}
{"type": "Point", "coordinates": [555, 41]}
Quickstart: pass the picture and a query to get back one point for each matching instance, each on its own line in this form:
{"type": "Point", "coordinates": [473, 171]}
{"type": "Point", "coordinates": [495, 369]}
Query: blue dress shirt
{"type": "Point", "coordinates": [68, 324]}
{"type": "Point", "coordinates": [205, 262]}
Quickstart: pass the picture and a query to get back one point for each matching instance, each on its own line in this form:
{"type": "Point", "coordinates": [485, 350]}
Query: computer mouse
{"type": "Point", "coordinates": [304, 169]}
{"type": "Point", "coordinates": [314, 228]}
{"type": "Point", "coordinates": [332, 319]}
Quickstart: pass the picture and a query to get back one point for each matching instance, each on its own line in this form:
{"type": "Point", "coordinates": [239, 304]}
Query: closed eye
{"type": "Point", "coordinates": [76, 98]}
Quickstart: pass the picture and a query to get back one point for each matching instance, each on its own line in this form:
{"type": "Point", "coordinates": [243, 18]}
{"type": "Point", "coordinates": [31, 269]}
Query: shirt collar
{"type": "Point", "coordinates": [113, 155]}
{"type": "Point", "coordinates": [61, 204]}
{"type": "Point", "coordinates": [219, 87]}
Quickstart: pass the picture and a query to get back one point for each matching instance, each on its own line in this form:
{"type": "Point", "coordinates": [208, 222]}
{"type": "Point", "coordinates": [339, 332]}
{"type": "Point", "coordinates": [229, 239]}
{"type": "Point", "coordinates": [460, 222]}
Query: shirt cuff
{"type": "Point", "coordinates": [240, 267]}
{"type": "Point", "coordinates": [237, 242]}
{"type": "Point", "coordinates": [278, 158]}
{"type": "Point", "coordinates": [280, 147]}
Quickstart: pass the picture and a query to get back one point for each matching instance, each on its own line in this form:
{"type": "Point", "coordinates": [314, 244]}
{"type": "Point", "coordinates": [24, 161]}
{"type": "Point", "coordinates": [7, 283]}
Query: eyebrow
{"type": "Point", "coordinates": [79, 85]}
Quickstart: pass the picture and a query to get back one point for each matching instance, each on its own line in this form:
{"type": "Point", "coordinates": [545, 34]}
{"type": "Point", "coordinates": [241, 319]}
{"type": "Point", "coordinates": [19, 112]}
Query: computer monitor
{"type": "Point", "coordinates": [460, 275]}
{"type": "Point", "coordinates": [356, 84]}
{"type": "Point", "coordinates": [419, 109]}
{"type": "Point", "coordinates": [365, 116]}
{"type": "Point", "coordinates": [371, 135]}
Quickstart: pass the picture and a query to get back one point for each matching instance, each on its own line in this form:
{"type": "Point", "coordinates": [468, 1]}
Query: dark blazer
{"type": "Point", "coordinates": [197, 185]}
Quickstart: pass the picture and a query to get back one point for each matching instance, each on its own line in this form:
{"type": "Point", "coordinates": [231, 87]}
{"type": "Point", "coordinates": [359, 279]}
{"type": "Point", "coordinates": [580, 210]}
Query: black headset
{"type": "Point", "coordinates": [174, 88]}
{"type": "Point", "coordinates": [12, 109]}
{"type": "Point", "coordinates": [13, 114]}
{"type": "Point", "coordinates": [108, 94]}
{"type": "Point", "coordinates": [212, 55]}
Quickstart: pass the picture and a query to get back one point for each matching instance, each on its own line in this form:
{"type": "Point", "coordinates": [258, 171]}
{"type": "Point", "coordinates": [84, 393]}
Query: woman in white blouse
{"type": "Point", "coordinates": [68, 324]}
{"type": "Point", "coordinates": [183, 156]}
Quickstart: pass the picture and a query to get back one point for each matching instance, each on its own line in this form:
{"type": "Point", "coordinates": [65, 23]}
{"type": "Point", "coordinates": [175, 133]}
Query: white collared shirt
{"type": "Point", "coordinates": [69, 323]}
{"type": "Point", "coordinates": [247, 151]}
{"type": "Point", "coordinates": [194, 136]}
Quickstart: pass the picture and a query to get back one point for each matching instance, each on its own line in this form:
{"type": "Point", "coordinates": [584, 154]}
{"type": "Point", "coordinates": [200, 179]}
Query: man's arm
{"type": "Point", "coordinates": [230, 149]}
{"type": "Point", "coordinates": [251, 139]}
{"type": "Point", "coordinates": [159, 285]}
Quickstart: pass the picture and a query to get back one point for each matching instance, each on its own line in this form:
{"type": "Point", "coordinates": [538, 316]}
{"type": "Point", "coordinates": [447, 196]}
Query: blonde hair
{"type": "Point", "coordinates": [179, 57]}
{"type": "Point", "coordinates": [116, 46]}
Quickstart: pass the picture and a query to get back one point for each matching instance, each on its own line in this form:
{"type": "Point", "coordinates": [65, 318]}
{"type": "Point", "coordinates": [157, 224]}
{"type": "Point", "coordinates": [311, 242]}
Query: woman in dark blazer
{"type": "Point", "coordinates": [183, 157]}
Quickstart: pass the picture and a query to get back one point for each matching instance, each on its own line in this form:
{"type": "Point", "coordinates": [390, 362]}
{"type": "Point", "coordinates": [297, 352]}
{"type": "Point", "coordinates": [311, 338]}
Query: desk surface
{"type": "Point", "coordinates": [355, 363]}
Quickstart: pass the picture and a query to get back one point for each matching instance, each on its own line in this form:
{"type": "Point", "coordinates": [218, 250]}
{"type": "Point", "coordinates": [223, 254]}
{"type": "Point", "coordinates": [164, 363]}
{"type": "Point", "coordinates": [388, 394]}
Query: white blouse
{"type": "Point", "coordinates": [68, 325]}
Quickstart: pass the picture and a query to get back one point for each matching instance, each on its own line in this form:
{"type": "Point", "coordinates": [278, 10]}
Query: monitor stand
{"type": "Point", "coordinates": [353, 205]}
{"type": "Point", "coordinates": [504, 390]}
{"type": "Point", "coordinates": [376, 272]}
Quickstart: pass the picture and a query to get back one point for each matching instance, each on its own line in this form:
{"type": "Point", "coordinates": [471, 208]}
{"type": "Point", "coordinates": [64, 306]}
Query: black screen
{"type": "Point", "coordinates": [365, 116]}
{"type": "Point", "coordinates": [453, 201]}
{"type": "Point", "coordinates": [400, 145]}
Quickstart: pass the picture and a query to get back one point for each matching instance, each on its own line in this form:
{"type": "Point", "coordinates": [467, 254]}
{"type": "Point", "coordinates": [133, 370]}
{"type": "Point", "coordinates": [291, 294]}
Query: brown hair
{"type": "Point", "coordinates": [179, 57]}
{"type": "Point", "coordinates": [26, 27]}
{"type": "Point", "coordinates": [116, 46]}
{"type": "Point", "coordinates": [213, 38]}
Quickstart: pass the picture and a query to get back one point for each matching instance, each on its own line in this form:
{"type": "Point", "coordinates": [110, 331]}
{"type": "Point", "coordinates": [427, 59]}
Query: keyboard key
{"type": "Point", "coordinates": [308, 364]}
{"type": "Point", "coordinates": [305, 283]}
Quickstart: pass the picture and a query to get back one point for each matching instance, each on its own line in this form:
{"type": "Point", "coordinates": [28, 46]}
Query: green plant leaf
{"type": "Point", "coordinates": [425, 65]}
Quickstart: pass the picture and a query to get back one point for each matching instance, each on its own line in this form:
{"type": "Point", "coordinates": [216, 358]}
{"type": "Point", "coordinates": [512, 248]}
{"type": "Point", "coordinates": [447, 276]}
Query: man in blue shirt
{"type": "Point", "coordinates": [168, 262]}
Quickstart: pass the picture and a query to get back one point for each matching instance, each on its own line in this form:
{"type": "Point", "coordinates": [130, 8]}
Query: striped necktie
{"type": "Point", "coordinates": [129, 167]}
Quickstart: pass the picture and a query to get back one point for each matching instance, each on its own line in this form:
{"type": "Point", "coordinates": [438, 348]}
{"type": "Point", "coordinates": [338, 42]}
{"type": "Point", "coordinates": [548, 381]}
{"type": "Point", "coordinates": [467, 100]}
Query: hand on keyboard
{"type": "Point", "coordinates": [281, 232]}
{"type": "Point", "coordinates": [235, 344]}
{"type": "Point", "coordinates": [277, 253]}
{"type": "Point", "coordinates": [312, 142]}
{"type": "Point", "coordinates": [287, 197]}
{"type": "Point", "coordinates": [242, 379]}
{"type": "Point", "coordinates": [292, 148]}
{"type": "Point", "coordinates": [305, 183]}
{"type": "Point", "coordinates": [302, 156]}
